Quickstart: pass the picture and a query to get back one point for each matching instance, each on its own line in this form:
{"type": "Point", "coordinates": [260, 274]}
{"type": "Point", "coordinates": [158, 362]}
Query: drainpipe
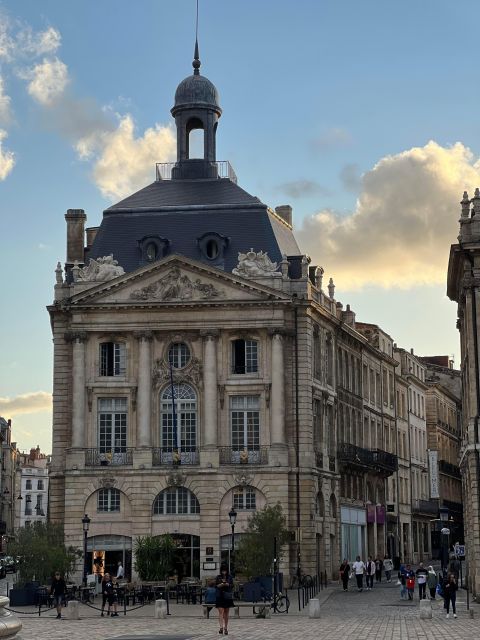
{"type": "Point", "coordinates": [410, 465]}
{"type": "Point", "coordinates": [399, 538]}
{"type": "Point", "coordinates": [297, 441]}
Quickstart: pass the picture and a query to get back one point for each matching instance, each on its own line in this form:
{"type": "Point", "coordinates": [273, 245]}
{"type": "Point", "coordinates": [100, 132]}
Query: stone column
{"type": "Point", "coordinates": [144, 391]}
{"type": "Point", "coordinates": [78, 390]}
{"type": "Point", "coordinates": [277, 398]}
{"type": "Point", "coordinates": [210, 395]}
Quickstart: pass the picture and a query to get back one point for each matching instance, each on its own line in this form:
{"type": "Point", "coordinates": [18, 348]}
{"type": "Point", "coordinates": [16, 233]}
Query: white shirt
{"type": "Point", "coordinates": [120, 572]}
{"type": "Point", "coordinates": [358, 567]}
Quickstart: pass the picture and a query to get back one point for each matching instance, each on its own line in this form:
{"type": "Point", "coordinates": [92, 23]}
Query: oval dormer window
{"type": "Point", "coordinates": [151, 251]}
{"type": "Point", "coordinates": [211, 249]}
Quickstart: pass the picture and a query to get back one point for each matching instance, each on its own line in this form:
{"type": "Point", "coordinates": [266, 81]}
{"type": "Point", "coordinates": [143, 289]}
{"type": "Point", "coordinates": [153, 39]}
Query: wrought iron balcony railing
{"type": "Point", "coordinates": [168, 457]}
{"type": "Point", "coordinates": [117, 457]}
{"type": "Point", "coordinates": [368, 459]}
{"type": "Point", "coordinates": [427, 507]}
{"type": "Point", "coordinates": [384, 460]}
{"type": "Point", "coordinates": [449, 469]}
{"type": "Point", "coordinates": [224, 170]}
{"type": "Point", "coordinates": [231, 455]}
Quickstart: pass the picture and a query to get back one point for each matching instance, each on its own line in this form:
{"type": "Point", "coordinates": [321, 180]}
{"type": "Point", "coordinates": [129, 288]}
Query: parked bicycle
{"type": "Point", "coordinates": [304, 580]}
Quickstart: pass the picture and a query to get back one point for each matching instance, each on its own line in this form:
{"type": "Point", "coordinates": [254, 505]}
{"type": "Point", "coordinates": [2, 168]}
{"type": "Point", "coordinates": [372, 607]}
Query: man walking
{"type": "Point", "coordinates": [58, 590]}
{"type": "Point", "coordinates": [359, 568]}
{"type": "Point", "coordinates": [370, 572]}
{"type": "Point", "coordinates": [422, 575]}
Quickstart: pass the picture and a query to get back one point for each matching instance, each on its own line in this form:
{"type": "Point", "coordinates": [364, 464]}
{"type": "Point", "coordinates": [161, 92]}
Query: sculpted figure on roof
{"type": "Point", "coordinates": [100, 270]}
{"type": "Point", "coordinates": [254, 265]}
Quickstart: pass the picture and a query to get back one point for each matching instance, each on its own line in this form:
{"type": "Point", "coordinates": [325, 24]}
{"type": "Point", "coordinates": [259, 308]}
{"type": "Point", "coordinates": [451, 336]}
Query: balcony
{"type": "Point", "coordinates": [221, 169]}
{"type": "Point", "coordinates": [449, 469]}
{"type": "Point", "coordinates": [231, 455]}
{"type": "Point", "coordinates": [425, 507]}
{"type": "Point", "coordinates": [376, 460]}
{"type": "Point", "coordinates": [385, 461]}
{"type": "Point", "coordinates": [170, 457]}
{"type": "Point", "coordinates": [98, 458]}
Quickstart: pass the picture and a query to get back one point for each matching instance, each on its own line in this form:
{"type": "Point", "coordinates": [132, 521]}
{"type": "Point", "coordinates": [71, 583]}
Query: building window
{"type": "Point", "coordinates": [178, 355]}
{"type": "Point", "coordinates": [179, 428]}
{"type": "Point", "coordinates": [112, 425]}
{"type": "Point", "coordinates": [176, 501]}
{"type": "Point", "coordinates": [39, 485]}
{"type": "Point", "coordinates": [244, 356]}
{"type": "Point", "coordinates": [245, 423]}
{"type": "Point", "coordinates": [317, 424]}
{"type": "Point", "coordinates": [317, 353]}
{"type": "Point", "coordinates": [151, 251]}
{"type": "Point", "coordinates": [28, 485]}
{"type": "Point", "coordinates": [112, 359]}
{"type": "Point", "coordinates": [108, 500]}
{"type": "Point", "coordinates": [244, 499]}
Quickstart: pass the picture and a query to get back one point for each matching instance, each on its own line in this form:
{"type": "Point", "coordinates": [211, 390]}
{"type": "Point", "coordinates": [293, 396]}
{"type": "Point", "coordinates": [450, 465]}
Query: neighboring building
{"type": "Point", "coordinates": [463, 286]}
{"type": "Point", "coordinates": [31, 488]}
{"type": "Point", "coordinates": [401, 501]}
{"type": "Point", "coordinates": [7, 484]}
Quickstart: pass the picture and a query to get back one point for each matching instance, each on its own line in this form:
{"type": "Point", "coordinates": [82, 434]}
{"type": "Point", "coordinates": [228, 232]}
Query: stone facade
{"type": "Point", "coordinates": [31, 488]}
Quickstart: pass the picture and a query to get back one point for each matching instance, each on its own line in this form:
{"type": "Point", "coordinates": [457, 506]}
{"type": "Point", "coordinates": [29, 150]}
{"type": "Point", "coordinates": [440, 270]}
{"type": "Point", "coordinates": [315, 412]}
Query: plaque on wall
{"type": "Point", "coordinates": [209, 566]}
{"type": "Point", "coordinates": [209, 551]}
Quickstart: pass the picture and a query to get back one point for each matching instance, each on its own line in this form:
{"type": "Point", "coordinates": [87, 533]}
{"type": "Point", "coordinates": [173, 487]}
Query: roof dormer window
{"type": "Point", "coordinates": [152, 248]}
{"type": "Point", "coordinates": [212, 246]}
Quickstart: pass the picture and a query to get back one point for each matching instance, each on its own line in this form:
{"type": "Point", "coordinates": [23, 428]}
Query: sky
{"type": "Point", "coordinates": [361, 115]}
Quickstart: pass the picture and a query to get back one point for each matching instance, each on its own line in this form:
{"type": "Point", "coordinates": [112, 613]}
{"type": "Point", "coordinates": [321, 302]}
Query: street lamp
{"type": "Point", "coordinates": [86, 525]}
{"type": "Point", "coordinates": [233, 518]}
{"type": "Point", "coordinates": [445, 533]}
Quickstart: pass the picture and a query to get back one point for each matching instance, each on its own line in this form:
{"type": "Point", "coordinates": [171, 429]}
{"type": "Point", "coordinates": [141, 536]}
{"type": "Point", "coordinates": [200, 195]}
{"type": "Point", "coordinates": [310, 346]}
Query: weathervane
{"type": "Point", "coordinates": [196, 60]}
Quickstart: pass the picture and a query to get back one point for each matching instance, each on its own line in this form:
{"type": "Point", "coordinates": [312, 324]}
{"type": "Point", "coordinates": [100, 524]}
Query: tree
{"type": "Point", "coordinates": [41, 551]}
{"type": "Point", "coordinates": [254, 556]}
{"type": "Point", "coordinates": [154, 556]}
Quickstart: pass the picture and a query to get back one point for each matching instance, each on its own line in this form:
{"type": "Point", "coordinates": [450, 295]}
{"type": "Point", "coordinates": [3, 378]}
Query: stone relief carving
{"type": "Point", "coordinates": [243, 479]}
{"type": "Point", "coordinates": [253, 265]}
{"type": "Point", "coordinates": [100, 270]}
{"type": "Point", "coordinates": [176, 479]}
{"type": "Point", "coordinates": [176, 286]}
{"type": "Point", "coordinates": [106, 482]}
{"type": "Point", "coordinates": [192, 373]}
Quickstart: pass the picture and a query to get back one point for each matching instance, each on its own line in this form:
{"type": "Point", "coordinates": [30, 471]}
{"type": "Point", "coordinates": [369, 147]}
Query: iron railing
{"type": "Point", "coordinates": [427, 507]}
{"type": "Point", "coordinates": [224, 169]}
{"type": "Point", "coordinates": [449, 469]}
{"type": "Point", "coordinates": [231, 455]}
{"type": "Point", "coordinates": [384, 460]}
{"type": "Point", "coordinates": [98, 458]}
{"type": "Point", "coordinates": [170, 456]}
{"type": "Point", "coordinates": [375, 459]}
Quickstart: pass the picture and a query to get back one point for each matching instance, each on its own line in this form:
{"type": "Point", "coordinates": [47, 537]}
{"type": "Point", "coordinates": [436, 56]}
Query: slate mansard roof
{"type": "Point", "coordinates": [182, 211]}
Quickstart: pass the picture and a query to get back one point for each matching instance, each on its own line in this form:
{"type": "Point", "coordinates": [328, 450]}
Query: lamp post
{"type": "Point", "coordinates": [233, 518]}
{"type": "Point", "coordinates": [86, 525]}
{"type": "Point", "coordinates": [445, 533]}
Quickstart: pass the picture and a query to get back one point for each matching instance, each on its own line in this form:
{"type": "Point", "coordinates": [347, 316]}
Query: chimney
{"type": "Point", "coordinates": [285, 212]}
{"type": "Point", "coordinates": [91, 235]}
{"type": "Point", "coordinates": [75, 235]}
{"type": "Point", "coordinates": [348, 317]}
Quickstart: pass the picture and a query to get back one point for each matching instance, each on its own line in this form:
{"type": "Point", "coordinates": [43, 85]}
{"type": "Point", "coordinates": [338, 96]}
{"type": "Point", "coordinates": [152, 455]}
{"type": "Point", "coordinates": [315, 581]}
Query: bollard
{"type": "Point", "coordinates": [72, 612]}
{"type": "Point", "coordinates": [425, 609]}
{"type": "Point", "coordinates": [314, 608]}
{"type": "Point", "coordinates": [160, 609]}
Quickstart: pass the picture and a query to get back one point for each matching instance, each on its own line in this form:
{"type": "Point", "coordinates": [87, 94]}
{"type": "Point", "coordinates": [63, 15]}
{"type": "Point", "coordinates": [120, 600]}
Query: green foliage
{"type": "Point", "coordinates": [254, 556]}
{"type": "Point", "coordinates": [154, 557]}
{"type": "Point", "coordinates": [42, 551]}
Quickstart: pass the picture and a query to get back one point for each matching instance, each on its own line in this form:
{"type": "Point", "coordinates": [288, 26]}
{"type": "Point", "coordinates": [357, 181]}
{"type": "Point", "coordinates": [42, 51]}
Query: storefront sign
{"type": "Point", "coordinates": [380, 514]}
{"type": "Point", "coordinates": [370, 513]}
{"type": "Point", "coordinates": [433, 469]}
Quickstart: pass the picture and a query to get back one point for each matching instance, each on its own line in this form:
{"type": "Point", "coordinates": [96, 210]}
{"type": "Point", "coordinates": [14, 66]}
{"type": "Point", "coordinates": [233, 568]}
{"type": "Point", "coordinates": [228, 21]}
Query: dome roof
{"type": "Point", "coordinates": [197, 90]}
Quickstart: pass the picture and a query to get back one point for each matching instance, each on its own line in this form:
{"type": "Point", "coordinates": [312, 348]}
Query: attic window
{"type": "Point", "coordinates": [151, 251]}
{"type": "Point", "coordinates": [211, 249]}
{"type": "Point", "coordinates": [152, 248]}
{"type": "Point", "coordinates": [212, 246]}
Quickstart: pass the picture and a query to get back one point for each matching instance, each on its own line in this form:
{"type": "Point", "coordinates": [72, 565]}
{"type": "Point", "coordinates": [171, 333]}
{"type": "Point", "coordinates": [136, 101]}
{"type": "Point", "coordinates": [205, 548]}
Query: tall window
{"type": "Point", "coordinates": [178, 355]}
{"type": "Point", "coordinates": [245, 422]}
{"type": "Point", "coordinates": [183, 438]}
{"type": "Point", "coordinates": [112, 425]}
{"type": "Point", "coordinates": [317, 424]}
{"type": "Point", "coordinates": [244, 499]}
{"type": "Point", "coordinates": [317, 353]}
{"type": "Point", "coordinates": [39, 485]}
{"type": "Point", "coordinates": [244, 356]}
{"type": "Point", "coordinates": [108, 500]}
{"type": "Point", "coordinates": [39, 506]}
{"type": "Point", "coordinates": [28, 485]}
{"type": "Point", "coordinates": [112, 359]}
{"type": "Point", "coordinates": [176, 501]}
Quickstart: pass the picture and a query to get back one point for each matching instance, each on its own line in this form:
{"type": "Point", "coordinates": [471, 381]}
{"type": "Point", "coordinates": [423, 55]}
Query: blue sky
{"type": "Point", "coordinates": [362, 115]}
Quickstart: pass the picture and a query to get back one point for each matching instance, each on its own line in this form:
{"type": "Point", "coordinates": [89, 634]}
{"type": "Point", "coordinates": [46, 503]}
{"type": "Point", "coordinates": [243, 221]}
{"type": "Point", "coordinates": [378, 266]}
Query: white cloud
{"type": "Point", "coordinates": [5, 105]}
{"type": "Point", "coordinates": [124, 163]}
{"type": "Point", "coordinates": [47, 80]}
{"type": "Point", "coordinates": [38, 43]}
{"type": "Point", "coordinates": [334, 137]}
{"type": "Point", "coordinates": [7, 158]}
{"type": "Point", "coordinates": [34, 402]}
{"type": "Point", "coordinates": [404, 221]}
{"type": "Point", "coordinates": [7, 43]}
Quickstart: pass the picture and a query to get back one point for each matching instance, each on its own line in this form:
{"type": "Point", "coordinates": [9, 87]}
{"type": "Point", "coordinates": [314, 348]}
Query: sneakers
{"type": "Point", "coordinates": [454, 615]}
{"type": "Point", "coordinates": [59, 615]}
{"type": "Point", "coordinates": [448, 615]}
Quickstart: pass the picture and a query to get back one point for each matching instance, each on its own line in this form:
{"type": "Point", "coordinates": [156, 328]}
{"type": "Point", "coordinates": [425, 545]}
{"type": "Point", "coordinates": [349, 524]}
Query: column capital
{"type": "Point", "coordinates": [278, 332]}
{"type": "Point", "coordinates": [210, 334]}
{"type": "Point", "coordinates": [143, 336]}
{"type": "Point", "coordinates": [76, 336]}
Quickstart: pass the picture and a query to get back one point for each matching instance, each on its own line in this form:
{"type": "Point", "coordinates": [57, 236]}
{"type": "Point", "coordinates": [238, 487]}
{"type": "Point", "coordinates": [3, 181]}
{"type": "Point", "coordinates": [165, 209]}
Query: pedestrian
{"type": "Point", "coordinates": [432, 582]}
{"type": "Point", "coordinates": [345, 573]}
{"type": "Point", "coordinates": [410, 581]}
{"type": "Point", "coordinates": [378, 569]}
{"type": "Point", "coordinates": [111, 592]}
{"type": "Point", "coordinates": [369, 573]}
{"type": "Point", "coordinates": [388, 567]}
{"type": "Point", "coordinates": [224, 598]}
{"type": "Point", "coordinates": [450, 587]}
{"type": "Point", "coordinates": [210, 596]}
{"type": "Point", "coordinates": [359, 568]}
{"type": "Point", "coordinates": [422, 575]}
{"type": "Point", "coordinates": [402, 581]}
{"type": "Point", "coordinates": [120, 571]}
{"type": "Point", "coordinates": [104, 594]}
{"type": "Point", "coordinates": [58, 590]}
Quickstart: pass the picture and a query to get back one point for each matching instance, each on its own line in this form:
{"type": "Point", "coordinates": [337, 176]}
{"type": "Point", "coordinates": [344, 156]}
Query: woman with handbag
{"type": "Point", "coordinates": [344, 573]}
{"type": "Point", "coordinates": [224, 602]}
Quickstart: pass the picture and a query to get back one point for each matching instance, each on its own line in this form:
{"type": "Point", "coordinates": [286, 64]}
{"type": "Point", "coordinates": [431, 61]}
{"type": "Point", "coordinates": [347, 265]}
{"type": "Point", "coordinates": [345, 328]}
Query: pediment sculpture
{"type": "Point", "coordinates": [100, 270]}
{"type": "Point", "coordinates": [192, 373]}
{"type": "Point", "coordinates": [176, 286]}
{"type": "Point", "coordinates": [254, 265]}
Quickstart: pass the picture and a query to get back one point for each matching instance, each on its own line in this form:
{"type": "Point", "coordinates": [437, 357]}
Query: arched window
{"type": "Point", "coordinates": [178, 355]}
{"type": "Point", "coordinates": [175, 501]}
{"type": "Point", "coordinates": [196, 139]}
{"type": "Point", "coordinates": [320, 505]}
{"type": "Point", "coordinates": [178, 422]}
{"type": "Point", "coordinates": [108, 500]}
{"type": "Point", "coordinates": [244, 499]}
{"type": "Point", "coordinates": [333, 506]}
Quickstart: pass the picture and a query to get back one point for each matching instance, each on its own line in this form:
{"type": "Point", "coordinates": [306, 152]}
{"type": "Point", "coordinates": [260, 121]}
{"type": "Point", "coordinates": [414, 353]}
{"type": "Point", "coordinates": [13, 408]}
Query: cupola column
{"type": "Point", "coordinates": [78, 390]}
{"type": "Point", "coordinates": [210, 389]}
{"type": "Point", "coordinates": [277, 399]}
{"type": "Point", "coordinates": [144, 393]}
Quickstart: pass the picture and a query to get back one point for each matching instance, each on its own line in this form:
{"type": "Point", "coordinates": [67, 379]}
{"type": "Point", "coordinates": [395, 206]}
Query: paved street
{"type": "Point", "coordinates": [379, 615]}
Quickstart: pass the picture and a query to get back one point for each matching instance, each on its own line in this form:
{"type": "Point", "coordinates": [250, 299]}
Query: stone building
{"type": "Point", "coordinates": [7, 483]}
{"type": "Point", "coordinates": [399, 507]}
{"type": "Point", "coordinates": [31, 488]}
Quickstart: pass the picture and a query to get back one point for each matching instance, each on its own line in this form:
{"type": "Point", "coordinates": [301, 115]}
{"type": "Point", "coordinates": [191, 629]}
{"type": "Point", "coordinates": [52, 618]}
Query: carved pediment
{"type": "Point", "coordinates": [192, 373]}
{"type": "Point", "coordinates": [176, 285]}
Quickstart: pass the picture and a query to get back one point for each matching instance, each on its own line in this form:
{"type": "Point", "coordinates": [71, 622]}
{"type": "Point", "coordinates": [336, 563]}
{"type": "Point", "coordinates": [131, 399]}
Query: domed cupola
{"type": "Point", "coordinates": [196, 107]}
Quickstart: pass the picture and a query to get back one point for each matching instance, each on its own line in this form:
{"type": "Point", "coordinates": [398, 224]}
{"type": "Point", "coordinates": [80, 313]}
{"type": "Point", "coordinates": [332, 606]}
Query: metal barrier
{"type": "Point", "coordinates": [307, 591]}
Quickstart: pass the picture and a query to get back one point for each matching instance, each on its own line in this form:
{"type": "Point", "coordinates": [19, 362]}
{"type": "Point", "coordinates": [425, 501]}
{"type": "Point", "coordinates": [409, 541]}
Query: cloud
{"type": "Point", "coordinates": [5, 105]}
{"type": "Point", "coordinates": [124, 163]}
{"type": "Point", "coordinates": [350, 177]}
{"type": "Point", "coordinates": [27, 403]}
{"type": "Point", "coordinates": [404, 221]}
{"type": "Point", "coordinates": [7, 43]}
{"type": "Point", "coordinates": [7, 158]}
{"type": "Point", "coordinates": [38, 43]}
{"type": "Point", "coordinates": [47, 80]}
{"type": "Point", "coordinates": [303, 189]}
{"type": "Point", "coordinates": [334, 137]}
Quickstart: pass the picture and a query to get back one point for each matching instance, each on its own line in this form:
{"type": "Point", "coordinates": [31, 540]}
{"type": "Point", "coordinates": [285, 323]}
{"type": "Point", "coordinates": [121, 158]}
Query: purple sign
{"type": "Point", "coordinates": [380, 514]}
{"type": "Point", "coordinates": [370, 513]}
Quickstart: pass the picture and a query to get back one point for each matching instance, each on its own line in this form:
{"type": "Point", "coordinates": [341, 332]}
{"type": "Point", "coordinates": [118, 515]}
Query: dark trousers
{"type": "Point", "coordinates": [378, 575]}
{"type": "Point", "coordinates": [359, 578]}
{"type": "Point", "coordinates": [433, 592]}
{"type": "Point", "coordinates": [422, 591]}
{"type": "Point", "coordinates": [369, 581]}
{"type": "Point", "coordinates": [451, 598]}
{"type": "Point", "coordinates": [345, 582]}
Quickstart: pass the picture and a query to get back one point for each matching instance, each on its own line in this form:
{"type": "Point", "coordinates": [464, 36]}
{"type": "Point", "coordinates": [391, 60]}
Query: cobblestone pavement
{"type": "Point", "coordinates": [371, 615]}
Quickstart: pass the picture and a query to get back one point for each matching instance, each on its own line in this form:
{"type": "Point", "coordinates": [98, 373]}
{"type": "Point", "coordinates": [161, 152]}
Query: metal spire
{"type": "Point", "coordinates": [196, 60]}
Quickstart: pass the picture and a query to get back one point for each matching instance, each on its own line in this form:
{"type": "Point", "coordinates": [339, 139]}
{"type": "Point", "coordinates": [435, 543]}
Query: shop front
{"type": "Point", "coordinates": [353, 523]}
{"type": "Point", "coordinates": [104, 552]}
{"type": "Point", "coordinates": [186, 558]}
